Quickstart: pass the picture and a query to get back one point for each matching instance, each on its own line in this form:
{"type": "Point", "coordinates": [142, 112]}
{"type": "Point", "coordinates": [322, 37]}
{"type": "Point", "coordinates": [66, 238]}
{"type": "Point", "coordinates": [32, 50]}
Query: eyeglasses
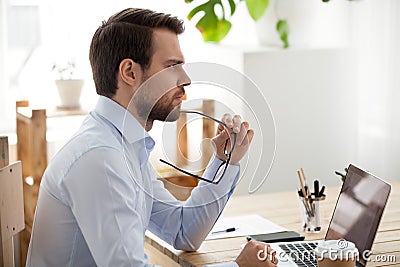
{"type": "Point", "coordinates": [223, 166]}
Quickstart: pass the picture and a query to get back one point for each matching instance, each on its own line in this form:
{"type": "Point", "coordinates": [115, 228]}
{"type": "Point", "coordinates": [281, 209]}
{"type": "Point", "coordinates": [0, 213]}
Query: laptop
{"type": "Point", "coordinates": [356, 218]}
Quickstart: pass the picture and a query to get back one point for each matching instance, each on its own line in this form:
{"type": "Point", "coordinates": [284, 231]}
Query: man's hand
{"type": "Point", "coordinates": [253, 254]}
{"type": "Point", "coordinates": [244, 135]}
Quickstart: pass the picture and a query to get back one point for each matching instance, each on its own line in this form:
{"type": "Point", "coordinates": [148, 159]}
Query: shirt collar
{"type": "Point", "coordinates": [123, 121]}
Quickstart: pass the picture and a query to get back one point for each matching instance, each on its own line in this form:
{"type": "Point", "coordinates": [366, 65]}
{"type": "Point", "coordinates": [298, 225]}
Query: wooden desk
{"type": "Point", "coordinates": [282, 208]}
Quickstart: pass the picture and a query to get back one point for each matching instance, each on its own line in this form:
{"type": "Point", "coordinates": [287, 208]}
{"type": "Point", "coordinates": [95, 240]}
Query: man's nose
{"type": "Point", "coordinates": [184, 78]}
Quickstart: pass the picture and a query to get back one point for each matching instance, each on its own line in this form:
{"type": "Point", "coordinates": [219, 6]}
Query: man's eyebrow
{"type": "Point", "coordinates": [174, 61]}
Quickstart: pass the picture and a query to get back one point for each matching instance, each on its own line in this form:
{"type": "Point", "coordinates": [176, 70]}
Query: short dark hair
{"type": "Point", "coordinates": [127, 34]}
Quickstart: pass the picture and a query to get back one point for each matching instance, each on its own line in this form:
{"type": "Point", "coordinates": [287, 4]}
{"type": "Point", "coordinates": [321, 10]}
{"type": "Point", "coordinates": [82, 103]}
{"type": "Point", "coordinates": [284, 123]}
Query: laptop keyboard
{"type": "Point", "coordinates": [301, 253]}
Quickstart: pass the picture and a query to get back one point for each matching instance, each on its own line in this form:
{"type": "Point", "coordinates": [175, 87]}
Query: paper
{"type": "Point", "coordinates": [245, 225]}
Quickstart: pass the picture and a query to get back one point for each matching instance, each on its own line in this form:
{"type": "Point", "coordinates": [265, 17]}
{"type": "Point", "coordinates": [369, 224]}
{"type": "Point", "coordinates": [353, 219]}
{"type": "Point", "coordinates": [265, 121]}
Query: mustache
{"type": "Point", "coordinates": [180, 93]}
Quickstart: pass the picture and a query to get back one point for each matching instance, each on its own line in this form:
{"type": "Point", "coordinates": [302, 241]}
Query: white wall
{"type": "Point", "coordinates": [377, 39]}
{"type": "Point", "coordinates": [5, 114]}
{"type": "Point", "coordinates": [312, 95]}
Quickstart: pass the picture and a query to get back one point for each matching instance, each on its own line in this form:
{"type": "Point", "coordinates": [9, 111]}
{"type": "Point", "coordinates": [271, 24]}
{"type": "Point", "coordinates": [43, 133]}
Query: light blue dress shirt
{"type": "Point", "coordinates": [100, 194]}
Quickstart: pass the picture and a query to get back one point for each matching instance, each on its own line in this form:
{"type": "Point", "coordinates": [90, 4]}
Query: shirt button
{"type": "Point", "coordinates": [149, 143]}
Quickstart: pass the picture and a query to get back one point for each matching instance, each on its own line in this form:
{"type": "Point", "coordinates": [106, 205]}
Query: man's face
{"type": "Point", "coordinates": [161, 93]}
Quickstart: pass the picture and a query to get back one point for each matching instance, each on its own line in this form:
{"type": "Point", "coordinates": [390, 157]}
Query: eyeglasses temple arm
{"type": "Point", "coordinates": [185, 172]}
{"type": "Point", "coordinates": [205, 115]}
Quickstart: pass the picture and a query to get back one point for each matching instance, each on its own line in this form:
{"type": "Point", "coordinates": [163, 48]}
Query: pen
{"type": "Point", "coordinates": [232, 229]}
{"type": "Point", "coordinates": [308, 211]}
{"type": "Point", "coordinates": [316, 188]}
{"type": "Point", "coordinates": [321, 193]}
{"type": "Point", "coordinates": [300, 193]}
{"type": "Point", "coordinates": [312, 207]}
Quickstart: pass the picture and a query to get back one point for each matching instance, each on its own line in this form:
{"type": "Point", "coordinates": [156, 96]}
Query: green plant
{"type": "Point", "coordinates": [214, 28]}
{"type": "Point", "coordinates": [342, 176]}
{"type": "Point", "coordinates": [65, 71]}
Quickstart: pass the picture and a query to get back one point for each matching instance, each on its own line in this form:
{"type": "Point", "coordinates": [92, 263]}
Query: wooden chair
{"type": "Point", "coordinates": [32, 151]}
{"type": "Point", "coordinates": [11, 205]}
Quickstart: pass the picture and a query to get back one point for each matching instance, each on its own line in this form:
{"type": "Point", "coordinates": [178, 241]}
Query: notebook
{"type": "Point", "coordinates": [356, 218]}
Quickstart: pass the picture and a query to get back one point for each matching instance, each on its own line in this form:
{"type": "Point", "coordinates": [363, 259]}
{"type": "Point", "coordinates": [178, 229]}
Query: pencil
{"type": "Point", "coordinates": [305, 186]}
{"type": "Point", "coordinates": [303, 176]}
{"type": "Point", "coordinates": [304, 191]}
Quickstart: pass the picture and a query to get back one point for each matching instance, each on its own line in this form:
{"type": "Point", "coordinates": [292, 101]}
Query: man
{"type": "Point", "coordinates": [99, 194]}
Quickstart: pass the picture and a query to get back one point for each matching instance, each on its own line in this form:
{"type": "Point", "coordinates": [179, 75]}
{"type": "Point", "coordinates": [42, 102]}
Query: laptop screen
{"type": "Point", "coordinates": [359, 210]}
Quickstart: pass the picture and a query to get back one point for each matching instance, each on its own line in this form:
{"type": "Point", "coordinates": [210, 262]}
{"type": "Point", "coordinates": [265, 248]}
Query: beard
{"type": "Point", "coordinates": [153, 102]}
{"type": "Point", "coordinates": [162, 109]}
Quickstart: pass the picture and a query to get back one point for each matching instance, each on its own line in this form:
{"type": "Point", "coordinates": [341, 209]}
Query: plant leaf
{"type": "Point", "coordinates": [203, 7]}
{"type": "Point", "coordinates": [232, 5]}
{"type": "Point", "coordinates": [215, 34]}
{"type": "Point", "coordinates": [282, 27]}
{"type": "Point", "coordinates": [212, 28]}
{"type": "Point", "coordinates": [256, 8]}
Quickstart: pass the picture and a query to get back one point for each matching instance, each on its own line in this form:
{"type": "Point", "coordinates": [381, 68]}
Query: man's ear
{"type": "Point", "coordinates": [129, 71]}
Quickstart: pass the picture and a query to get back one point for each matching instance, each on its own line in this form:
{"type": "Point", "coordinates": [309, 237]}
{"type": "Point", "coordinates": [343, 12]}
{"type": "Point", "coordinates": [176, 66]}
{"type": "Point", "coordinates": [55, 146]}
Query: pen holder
{"type": "Point", "coordinates": [311, 214]}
